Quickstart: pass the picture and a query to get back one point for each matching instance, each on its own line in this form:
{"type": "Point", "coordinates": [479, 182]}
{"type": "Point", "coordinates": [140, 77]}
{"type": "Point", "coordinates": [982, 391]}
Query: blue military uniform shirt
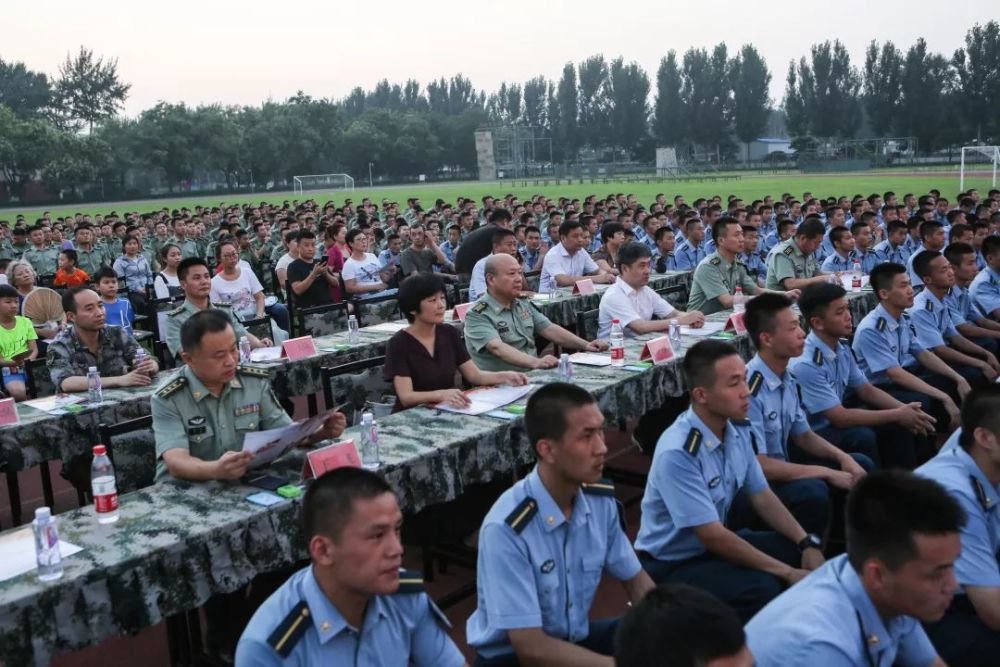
{"type": "Point", "coordinates": [954, 469]}
{"type": "Point", "coordinates": [693, 481]}
{"type": "Point", "coordinates": [538, 569]}
{"type": "Point", "coordinates": [985, 291]}
{"type": "Point", "coordinates": [689, 256]}
{"type": "Point", "coordinates": [959, 304]}
{"type": "Point", "coordinates": [882, 342]}
{"type": "Point", "coordinates": [756, 266]}
{"type": "Point", "coordinates": [823, 376]}
{"type": "Point", "coordinates": [298, 625]}
{"type": "Point", "coordinates": [836, 263]}
{"type": "Point", "coordinates": [829, 619]}
{"type": "Point", "coordinates": [889, 253]}
{"type": "Point", "coordinates": [932, 320]}
{"type": "Point", "coordinates": [775, 411]}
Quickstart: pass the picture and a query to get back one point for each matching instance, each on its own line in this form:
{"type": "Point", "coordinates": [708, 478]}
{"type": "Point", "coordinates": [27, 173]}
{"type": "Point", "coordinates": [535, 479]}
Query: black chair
{"type": "Point", "coordinates": [363, 310]}
{"type": "Point", "coordinates": [532, 279]}
{"type": "Point", "coordinates": [587, 324]}
{"type": "Point", "coordinates": [321, 320]}
{"type": "Point", "coordinates": [675, 295]}
{"type": "Point", "coordinates": [163, 356]}
{"type": "Point", "coordinates": [259, 326]}
{"type": "Point", "coordinates": [156, 306]}
{"type": "Point", "coordinates": [131, 444]}
{"type": "Point", "coordinates": [355, 386]}
{"type": "Point", "coordinates": [38, 380]}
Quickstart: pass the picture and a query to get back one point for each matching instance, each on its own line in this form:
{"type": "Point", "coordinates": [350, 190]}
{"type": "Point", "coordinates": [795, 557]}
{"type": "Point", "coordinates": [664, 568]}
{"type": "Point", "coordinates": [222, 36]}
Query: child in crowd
{"type": "Point", "coordinates": [118, 311]}
{"type": "Point", "coordinates": [69, 274]}
{"type": "Point", "coordinates": [17, 343]}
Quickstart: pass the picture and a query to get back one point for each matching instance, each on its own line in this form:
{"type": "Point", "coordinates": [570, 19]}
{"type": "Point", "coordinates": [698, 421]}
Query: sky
{"type": "Point", "coordinates": [220, 51]}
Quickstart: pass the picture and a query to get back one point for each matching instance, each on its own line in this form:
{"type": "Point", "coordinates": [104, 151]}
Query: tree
{"type": "Point", "coordinates": [668, 114]}
{"type": "Point", "coordinates": [978, 69]}
{"type": "Point", "coordinates": [534, 102]}
{"type": "Point", "coordinates": [751, 102]}
{"type": "Point", "coordinates": [706, 96]}
{"type": "Point", "coordinates": [89, 90]}
{"type": "Point", "coordinates": [26, 146]}
{"type": "Point", "coordinates": [24, 92]}
{"type": "Point", "coordinates": [593, 112]}
{"type": "Point", "coordinates": [628, 87]}
{"type": "Point", "coordinates": [794, 105]}
{"type": "Point", "coordinates": [926, 81]}
{"type": "Point", "coordinates": [825, 92]}
{"type": "Point", "coordinates": [882, 85]}
{"type": "Point", "coordinates": [565, 123]}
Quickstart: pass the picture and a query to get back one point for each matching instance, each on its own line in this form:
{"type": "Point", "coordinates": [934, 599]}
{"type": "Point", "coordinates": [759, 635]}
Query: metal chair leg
{"type": "Point", "coordinates": [50, 498]}
{"type": "Point", "coordinates": [14, 493]}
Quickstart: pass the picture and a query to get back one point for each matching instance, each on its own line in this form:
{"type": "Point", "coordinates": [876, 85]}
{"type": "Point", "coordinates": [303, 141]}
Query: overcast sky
{"type": "Point", "coordinates": [245, 52]}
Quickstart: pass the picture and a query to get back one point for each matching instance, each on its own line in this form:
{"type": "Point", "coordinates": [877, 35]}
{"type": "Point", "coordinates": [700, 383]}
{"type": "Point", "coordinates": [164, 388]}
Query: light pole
{"type": "Point", "coordinates": [370, 174]}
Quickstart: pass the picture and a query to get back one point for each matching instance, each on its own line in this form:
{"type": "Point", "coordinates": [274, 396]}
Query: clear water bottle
{"type": "Point", "coordinates": [140, 356]}
{"type": "Point", "coordinates": [102, 484]}
{"type": "Point", "coordinates": [739, 301]}
{"type": "Point", "coordinates": [565, 368]}
{"type": "Point", "coordinates": [47, 554]}
{"type": "Point", "coordinates": [553, 292]}
{"type": "Point", "coordinates": [676, 341]}
{"type": "Point", "coordinates": [856, 276]}
{"type": "Point", "coordinates": [245, 350]}
{"type": "Point", "coordinates": [370, 456]}
{"type": "Point", "coordinates": [617, 343]}
{"type": "Point", "coordinates": [95, 393]}
{"type": "Point", "coordinates": [353, 331]}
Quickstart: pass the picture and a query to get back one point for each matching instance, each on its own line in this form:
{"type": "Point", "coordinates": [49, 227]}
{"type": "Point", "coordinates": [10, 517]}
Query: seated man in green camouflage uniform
{"type": "Point", "coordinates": [202, 412]}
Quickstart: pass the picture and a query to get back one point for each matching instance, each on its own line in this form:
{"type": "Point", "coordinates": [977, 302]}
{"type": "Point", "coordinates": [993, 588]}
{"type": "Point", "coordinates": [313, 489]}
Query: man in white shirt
{"type": "Point", "coordinates": [633, 303]}
{"type": "Point", "coordinates": [505, 243]}
{"type": "Point", "coordinates": [568, 262]}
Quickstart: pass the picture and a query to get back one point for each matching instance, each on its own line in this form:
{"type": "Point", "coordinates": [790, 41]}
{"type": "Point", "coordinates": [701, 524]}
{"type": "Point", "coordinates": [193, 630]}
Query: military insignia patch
{"type": "Point", "coordinates": [548, 566]}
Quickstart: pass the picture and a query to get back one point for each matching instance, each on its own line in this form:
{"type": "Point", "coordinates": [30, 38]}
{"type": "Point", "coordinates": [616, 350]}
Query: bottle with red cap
{"type": "Point", "coordinates": [102, 483]}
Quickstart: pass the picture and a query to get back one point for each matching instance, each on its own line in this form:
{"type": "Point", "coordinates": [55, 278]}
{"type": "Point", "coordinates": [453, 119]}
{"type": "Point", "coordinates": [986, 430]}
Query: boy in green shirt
{"type": "Point", "coordinates": [17, 343]}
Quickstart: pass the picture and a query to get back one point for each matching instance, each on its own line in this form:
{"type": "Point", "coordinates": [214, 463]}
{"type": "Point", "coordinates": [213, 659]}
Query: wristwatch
{"type": "Point", "coordinates": [810, 541]}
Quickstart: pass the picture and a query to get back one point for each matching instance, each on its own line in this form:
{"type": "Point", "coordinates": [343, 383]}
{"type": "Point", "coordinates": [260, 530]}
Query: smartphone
{"type": "Point", "coordinates": [269, 482]}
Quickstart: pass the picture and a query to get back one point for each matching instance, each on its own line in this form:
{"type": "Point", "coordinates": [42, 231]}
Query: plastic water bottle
{"type": "Point", "coordinates": [245, 350]}
{"type": "Point", "coordinates": [676, 341]}
{"type": "Point", "coordinates": [47, 555]}
{"type": "Point", "coordinates": [565, 368]}
{"type": "Point", "coordinates": [370, 456]}
{"type": "Point", "coordinates": [856, 277]}
{"type": "Point", "coordinates": [739, 301]}
{"type": "Point", "coordinates": [617, 343]}
{"type": "Point", "coordinates": [353, 332]}
{"type": "Point", "coordinates": [95, 393]}
{"type": "Point", "coordinates": [553, 292]}
{"type": "Point", "coordinates": [102, 484]}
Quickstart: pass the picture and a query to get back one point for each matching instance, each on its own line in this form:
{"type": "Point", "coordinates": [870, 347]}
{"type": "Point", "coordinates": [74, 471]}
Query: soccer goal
{"type": "Point", "coordinates": [991, 153]}
{"type": "Point", "coordinates": [322, 182]}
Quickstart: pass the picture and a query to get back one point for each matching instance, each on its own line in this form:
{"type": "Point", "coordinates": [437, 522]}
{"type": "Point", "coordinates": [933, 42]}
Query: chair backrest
{"type": "Point", "coordinates": [377, 310]}
{"type": "Point", "coordinates": [259, 327]}
{"type": "Point", "coordinates": [156, 312]}
{"type": "Point", "coordinates": [38, 380]}
{"type": "Point", "coordinates": [586, 324]}
{"type": "Point", "coordinates": [132, 449]}
{"type": "Point", "coordinates": [163, 356]}
{"type": "Point", "coordinates": [357, 384]}
{"type": "Point", "coordinates": [675, 295]}
{"type": "Point", "coordinates": [321, 320]}
{"type": "Point", "coordinates": [532, 280]}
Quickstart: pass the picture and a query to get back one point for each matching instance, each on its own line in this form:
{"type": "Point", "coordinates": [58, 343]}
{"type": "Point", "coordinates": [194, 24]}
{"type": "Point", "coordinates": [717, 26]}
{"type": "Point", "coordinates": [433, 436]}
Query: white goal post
{"type": "Point", "coordinates": [322, 182]}
{"type": "Point", "coordinates": [992, 153]}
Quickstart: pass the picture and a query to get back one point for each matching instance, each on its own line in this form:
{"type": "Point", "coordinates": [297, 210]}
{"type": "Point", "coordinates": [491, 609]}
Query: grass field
{"type": "Point", "coordinates": [749, 187]}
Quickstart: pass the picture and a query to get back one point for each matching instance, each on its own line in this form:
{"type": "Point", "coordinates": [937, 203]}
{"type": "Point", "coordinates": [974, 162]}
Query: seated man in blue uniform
{"type": "Point", "coordinates": [839, 400]}
{"type": "Point", "coordinates": [968, 467]}
{"type": "Point", "coordinates": [968, 319]}
{"type": "Point", "coordinates": [864, 608]}
{"type": "Point", "coordinates": [800, 466]}
{"type": "Point", "coordinates": [545, 543]}
{"type": "Point", "coordinates": [936, 331]}
{"type": "Point", "coordinates": [681, 626]}
{"type": "Point", "coordinates": [352, 605]}
{"type": "Point", "coordinates": [985, 287]}
{"type": "Point", "coordinates": [702, 462]}
{"type": "Point", "coordinates": [891, 357]}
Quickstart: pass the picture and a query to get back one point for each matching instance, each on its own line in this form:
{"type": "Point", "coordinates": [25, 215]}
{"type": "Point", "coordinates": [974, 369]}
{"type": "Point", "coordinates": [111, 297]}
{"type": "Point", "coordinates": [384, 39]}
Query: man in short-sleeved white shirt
{"type": "Point", "coordinates": [568, 261]}
{"type": "Point", "coordinates": [631, 301]}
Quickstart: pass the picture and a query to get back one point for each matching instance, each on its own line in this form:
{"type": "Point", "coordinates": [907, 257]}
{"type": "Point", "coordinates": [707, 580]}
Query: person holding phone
{"type": "Point", "coordinates": [312, 280]}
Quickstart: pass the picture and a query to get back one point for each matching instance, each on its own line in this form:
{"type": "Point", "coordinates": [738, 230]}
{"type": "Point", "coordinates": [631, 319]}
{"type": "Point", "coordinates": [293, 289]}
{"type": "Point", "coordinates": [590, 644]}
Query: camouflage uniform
{"type": "Point", "coordinates": [186, 415]}
{"type": "Point", "coordinates": [178, 316]}
{"type": "Point", "coordinates": [44, 261]}
{"type": "Point", "coordinates": [17, 251]}
{"type": "Point", "coordinates": [91, 260]}
{"type": "Point", "coordinates": [67, 355]}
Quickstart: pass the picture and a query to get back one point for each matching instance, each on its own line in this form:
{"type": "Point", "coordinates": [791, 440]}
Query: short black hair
{"type": "Point", "coordinates": [9, 292]}
{"type": "Point", "coordinates": [810, 229]}
{"type": "Point", "coordinates": [928, 227]}
{"type": "Point", "coordinates": [187, 263]}
{"type": "Point", "coordinates": [922, 262]}
{"type": "Point", "coordinates": [305, 234]}
{"type": "Point", "coordinates": [887, 507]}
{"type": "Point", "coordinates": [355, 233]}
{"type": "Point", "coordinates": [568, 226]}
{"type": "Point", "coordinates": [882, 276]}
{"type": "Point", "coordinates": [719, 227]}
{"type": "Point", "coordinates": [500, 215]}
{"type": "Point", "coordinates": [837, 234]}
{"type": "Point", "coordinates": [632, 252]}
{"type": "Point", "coordinates": [954, 252]}
{"type": "Point", "coordinates": [69, 298]}
{"type": "Point", "coordinates": [329, 500]}
{"type": "Point", "coordinates": [689, 624]}
{"type": "Point", "coordinates": [817, 297]}
{"type": "Point", "coordinates": [980, 409]}
{"type": "Point", "coordinates": [761, 312]}
{"type": "Point", "coordinates": [104, 272]}
{"type": "Point", "coordinates": [545, 416]}
{"type": "Point", "coordinates": [210, 320]}
{"type": "Point", "coordinates": [699, 362]}
{"type": "Point", "coordinates": [609, 229]}
{"type": "Point", "coordinates": [415, 289]}
{"type": "Point", "coordinates": [991, 246]}
{"type": "Point", "coordinates": [500, 234]}
{"type": "Point", "coordinates": [70, 254]}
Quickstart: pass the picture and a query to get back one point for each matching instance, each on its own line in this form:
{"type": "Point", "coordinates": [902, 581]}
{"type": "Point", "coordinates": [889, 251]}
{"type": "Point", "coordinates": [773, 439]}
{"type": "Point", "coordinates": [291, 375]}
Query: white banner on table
{"type": "Point", "coordinates": [706, 329]}
{"type": "Point", "coordinates": [488, 398]}
{"type": "Point", "coordinates": [590, 359]}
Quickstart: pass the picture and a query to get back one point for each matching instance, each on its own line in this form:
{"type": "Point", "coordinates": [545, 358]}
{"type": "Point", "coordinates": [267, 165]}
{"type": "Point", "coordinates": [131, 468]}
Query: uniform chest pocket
{"type": "Point", "coordinates": [200, 432]}
{"type": "Point", "coordinates": [591, 568]}
{"type": "Point", "coordinates": [247, 422]}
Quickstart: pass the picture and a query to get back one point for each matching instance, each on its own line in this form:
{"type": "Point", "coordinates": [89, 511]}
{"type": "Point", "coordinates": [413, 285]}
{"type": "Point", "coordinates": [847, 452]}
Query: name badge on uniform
{"type": "Point", "coordinates": [247, 409]}
{"type": "Point", "coordinates": [502, 327]}
{"type": "Point", "coordinates": [772, 415]}
{"type": "Point", "coordinates": [714, 482]}
{"type": "Point", "coordinates": [548, 566]}
{"type": "Point", "coordinates": [196, 425]}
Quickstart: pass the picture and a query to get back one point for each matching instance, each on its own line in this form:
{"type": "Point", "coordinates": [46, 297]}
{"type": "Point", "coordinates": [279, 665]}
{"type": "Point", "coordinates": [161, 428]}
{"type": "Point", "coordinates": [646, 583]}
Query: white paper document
{"type": "Point", "coordinates": [268, 445]}
{"type": "Point", "coordinates": [488, 398]}
{"type": "Point", "coordinates": [56, 403]}
{"type": "Point", "coordinates": [387, 327]}
{"type": "Point", "coordinates": [17, 553]}
{"type": "Point", "coordinates": [266, 354]}
{"type": "Point", "coordinates": [590, 359]}
{"type": "Point", "coordinates": [706, 329]}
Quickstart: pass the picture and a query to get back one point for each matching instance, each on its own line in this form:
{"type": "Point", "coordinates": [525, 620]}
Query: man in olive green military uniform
{"type": "Point", "coordinates": [19, 243]}
{"type": "Point", "coordinates": [500, 329]}
{"type": "Point", "coordinates": [202, 413]}
{"type": "Point", "coordinates": [196, 281]}
{"type": "Point", "coordinates": [716, 277]}
{"type": "Point", "coordinates": [89, 257]}
{"type": "Point", "coordinates": [792, 264]}
{"type": "Point", "coordinates": [43, 259]}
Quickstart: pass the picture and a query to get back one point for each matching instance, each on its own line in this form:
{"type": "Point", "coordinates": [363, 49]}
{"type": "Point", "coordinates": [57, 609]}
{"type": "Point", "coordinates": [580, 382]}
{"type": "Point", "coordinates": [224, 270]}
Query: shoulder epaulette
{"type": "Point", "coordinates": [789, 250]}
{"type": "Point", "coordinates": [172, 387]}
{"type": "Point", "coordinates": [290, 631]}
{"type": "Point", "coordinates": [522, 514]}
{"type": "Point", "coordinates": [175, 311]}
{"type": "Point", "coordinates": [410, 581]}
{"type": "Point", "coordinates": [981, 496]}
{"type": "Point", "coordinates": [693, 442]}
{"type": "Point", "coordinates": [605, 487]}
{"type": "Point", "coordinates": [222, 306]}
{"type": "Point", "coordinates": [756, 381]}
{"type": "Point", "coordinates": [479, 307]}
{"type": "Point", "coordinates": [253, 371]}
{"type": "Point", "coordinates": [881, 324]}
{"type": "Point", "coordinates": [929, 305]}
{"type": "Point", "coordinates": [818, 357]}
{"type": "Point", "coordinates": [715, 260]}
